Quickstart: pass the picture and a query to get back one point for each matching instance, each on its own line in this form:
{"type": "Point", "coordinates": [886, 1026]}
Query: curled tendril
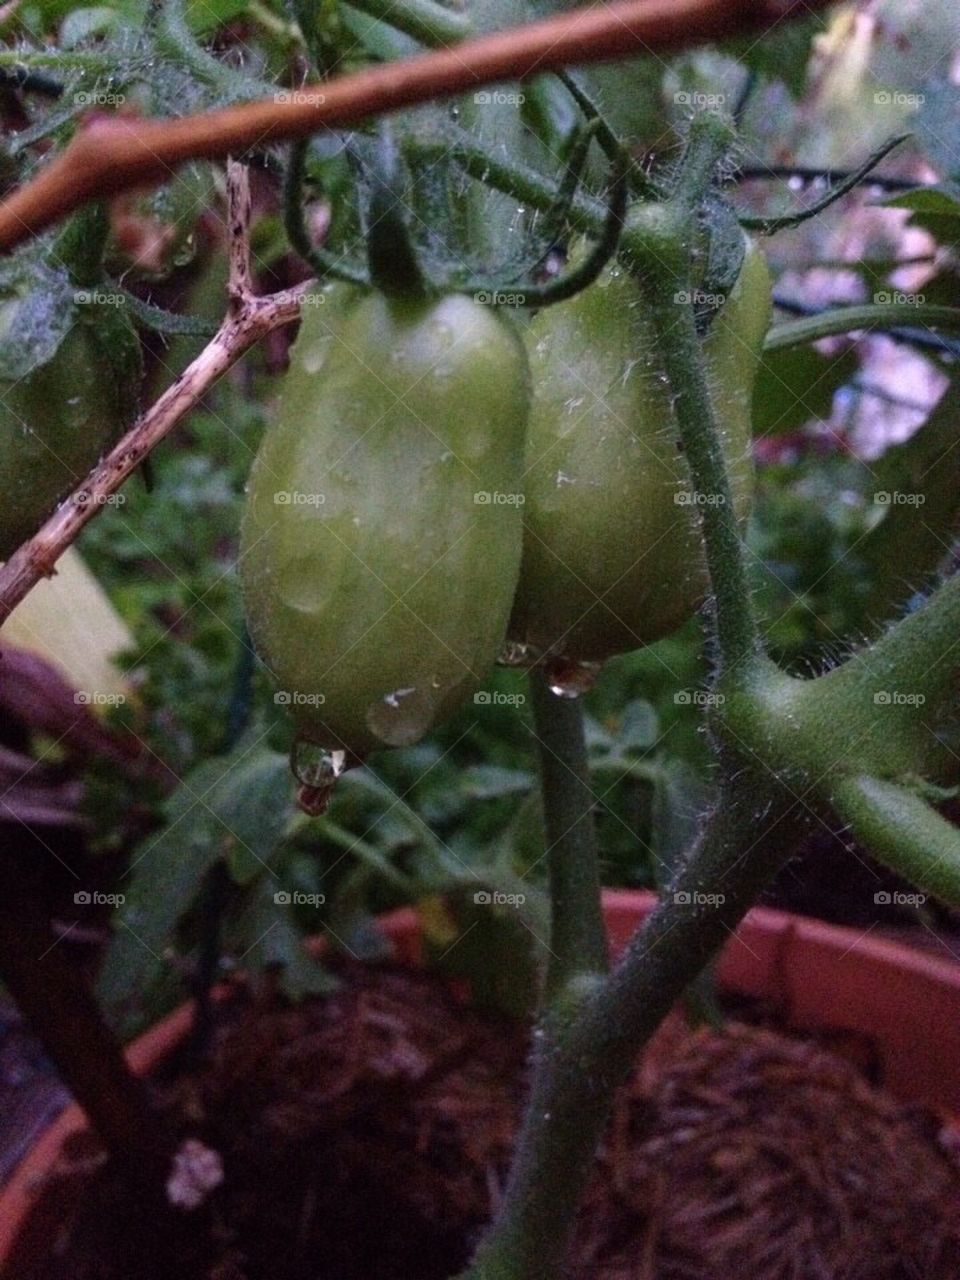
{"type": "Point", "coordinates": [319, 260]}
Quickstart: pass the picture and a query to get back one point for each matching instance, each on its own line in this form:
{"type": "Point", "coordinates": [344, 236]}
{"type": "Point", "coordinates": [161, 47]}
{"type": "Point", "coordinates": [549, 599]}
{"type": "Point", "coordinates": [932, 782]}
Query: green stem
{"type": "Point", "coordinates": [738, 637]}
{"type": "Point", "coordinates": [586, 213]}
{"type": "Point", "coordinates": [175, 40]}
{"type": "Point", "coordinates": [577, 937]}
{"type": "Point", "coordinates": [576, 1072]}
{"type": "Point", "coordinates": [769, 226]}
{"type": "Point", "coordinates": [868, 315]}
{"type": "Point", "coordinates": [432, 24]}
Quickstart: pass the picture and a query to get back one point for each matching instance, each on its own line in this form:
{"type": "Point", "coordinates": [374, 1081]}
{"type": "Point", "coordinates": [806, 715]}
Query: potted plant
{"type": "Point", "coordinates": [416, 511]}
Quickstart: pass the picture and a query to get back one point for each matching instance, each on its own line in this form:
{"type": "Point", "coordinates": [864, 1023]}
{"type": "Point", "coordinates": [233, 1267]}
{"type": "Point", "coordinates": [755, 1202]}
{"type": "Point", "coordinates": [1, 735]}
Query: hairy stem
{"type": "Point", "coordinates": [576, 1071]}
{"type": "Point", "coordinates": [577, 936]}
{"type": "Point", "coordinates": [432, 24]}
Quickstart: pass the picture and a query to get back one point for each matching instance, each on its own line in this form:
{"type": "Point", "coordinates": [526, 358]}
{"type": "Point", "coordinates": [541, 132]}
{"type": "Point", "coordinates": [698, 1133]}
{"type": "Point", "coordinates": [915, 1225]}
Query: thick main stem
{"type": "Point", "coordinates": [576, 1072]}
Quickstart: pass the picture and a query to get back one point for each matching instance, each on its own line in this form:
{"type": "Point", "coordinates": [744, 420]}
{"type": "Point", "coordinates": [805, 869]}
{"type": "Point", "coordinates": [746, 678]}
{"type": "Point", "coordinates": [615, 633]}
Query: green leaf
{"type": "Point", "coordinates": [234, 807]}
{"type": "Point", "coordinates": [936, 209]}
{"type": "Point", "coordinates": [275, 942]}
{"type": "Point", "coordinates": [37, 310]}
{"type": "Point", "coordinates": [797, 385]}
{"type": "Point", "coordinates": [917, 487]}
{"type": "Point", "coordinates": [782, 53]}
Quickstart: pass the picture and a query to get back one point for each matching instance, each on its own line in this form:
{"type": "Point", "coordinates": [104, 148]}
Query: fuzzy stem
{"type": "Point", "coordinates": [867, 315]}
{"type": "Point", "coordinates": [577, 936]}
{"type": "Point", "coordinates": [431, 24]}
{"type": "Point", "coordinates": [576, 1072]}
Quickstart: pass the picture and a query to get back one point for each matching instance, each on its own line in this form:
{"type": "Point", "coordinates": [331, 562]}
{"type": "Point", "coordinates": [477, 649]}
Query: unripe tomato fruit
{"type": "Point", "coordinates": [612, 554]}
{"type": "Point", "coordinates": [57, 420]}
{"type": "Point", "coordinates": [381, 541]}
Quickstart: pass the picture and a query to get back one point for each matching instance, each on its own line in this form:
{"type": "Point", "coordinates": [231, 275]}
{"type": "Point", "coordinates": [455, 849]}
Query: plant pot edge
{"type": "Point", "coordinates": [774, 953]}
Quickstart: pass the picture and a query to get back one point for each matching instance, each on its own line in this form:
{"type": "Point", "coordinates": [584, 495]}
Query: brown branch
{"type": "Point", "coordinates": [112, 154]}
{"type": "Point", "coordinates": [248, 319]}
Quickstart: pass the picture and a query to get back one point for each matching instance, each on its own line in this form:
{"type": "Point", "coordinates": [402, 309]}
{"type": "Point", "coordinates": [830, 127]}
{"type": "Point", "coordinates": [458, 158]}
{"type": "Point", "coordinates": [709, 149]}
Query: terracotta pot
{"type": "Point", "coordinates": [822, 975]}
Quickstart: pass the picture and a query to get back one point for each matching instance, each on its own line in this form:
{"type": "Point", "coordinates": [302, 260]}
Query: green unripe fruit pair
{"type": "Point", "coordinates": [381, 546]}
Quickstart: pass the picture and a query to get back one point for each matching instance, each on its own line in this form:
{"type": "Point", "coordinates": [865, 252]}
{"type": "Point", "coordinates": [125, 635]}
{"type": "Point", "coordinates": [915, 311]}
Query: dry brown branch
{"type": "Point", "coordinates": [112, 154]}
{"type": "Point", "coordinates": [247, 320]}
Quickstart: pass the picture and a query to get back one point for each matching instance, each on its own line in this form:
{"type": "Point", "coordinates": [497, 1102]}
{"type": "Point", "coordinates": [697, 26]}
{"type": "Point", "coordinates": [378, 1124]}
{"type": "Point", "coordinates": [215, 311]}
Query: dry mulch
{"type": "Point", "coordinates": [367, 1137]}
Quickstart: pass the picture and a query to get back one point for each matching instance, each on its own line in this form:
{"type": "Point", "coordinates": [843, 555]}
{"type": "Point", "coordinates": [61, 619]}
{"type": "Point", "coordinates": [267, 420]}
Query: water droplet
{"type": "Point", "coordinates": [515, 653]}
{"type": "Point", "coordinates": [569, 679]}
{"type": "Point", "coordinates": [316, 771]}
{"type": "Point", "coordinates": [402, 716]}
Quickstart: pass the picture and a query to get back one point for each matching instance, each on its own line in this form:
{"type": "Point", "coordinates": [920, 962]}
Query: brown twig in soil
{"type": "Point", "coordinates": [112, 154]}
{"type": "Point", "coordinates": [248, 319]}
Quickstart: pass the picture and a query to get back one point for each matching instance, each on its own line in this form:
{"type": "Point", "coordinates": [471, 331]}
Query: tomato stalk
{"type": "Point", "coordinates": [869, 315]}
{"type": "Point", "coordinates": [432, 24]}
{"type": "Point", "coordinates": [577, 937]}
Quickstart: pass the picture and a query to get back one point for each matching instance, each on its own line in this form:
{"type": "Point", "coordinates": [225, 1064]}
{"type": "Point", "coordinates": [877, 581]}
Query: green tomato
{"type": "Point", "coordinates": [381, 541]}
{"type": "Point", "coordinates": [61, 411]}
{"type": "Point", "coordinates": [612, 555]}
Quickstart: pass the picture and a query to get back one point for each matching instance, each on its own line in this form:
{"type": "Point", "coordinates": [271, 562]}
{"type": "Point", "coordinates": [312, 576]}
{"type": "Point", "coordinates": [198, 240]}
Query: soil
{"type": "Point", "coordinates": [366, 1136]}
